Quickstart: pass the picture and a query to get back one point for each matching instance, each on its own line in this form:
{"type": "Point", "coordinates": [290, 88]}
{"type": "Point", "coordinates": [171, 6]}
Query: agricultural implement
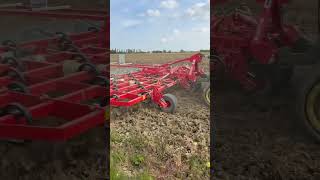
{"type": "Point", "coordinates": [263, 54]}
{"type": "Point", "coordinates": [39, 101]}
{"type": "Point", "coordinates": [150, 81]}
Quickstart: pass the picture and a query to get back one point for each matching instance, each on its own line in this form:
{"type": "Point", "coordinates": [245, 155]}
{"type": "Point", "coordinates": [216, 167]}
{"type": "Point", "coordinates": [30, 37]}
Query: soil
{"type": "Point", "coordinates": [258, 143]}
{"type": "Point", "coordinates": [65, 161]}
{"type": "Point", "coordinates": [184, 134]}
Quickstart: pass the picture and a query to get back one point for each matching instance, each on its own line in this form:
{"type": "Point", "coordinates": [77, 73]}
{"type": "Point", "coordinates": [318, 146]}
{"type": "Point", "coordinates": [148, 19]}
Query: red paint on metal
{"type": "Point", "coordinates": [151, 80]}
{"type": "Point", "coordinates": [50, 92]}
{"type": "Point", "coordinates": [240, 39]}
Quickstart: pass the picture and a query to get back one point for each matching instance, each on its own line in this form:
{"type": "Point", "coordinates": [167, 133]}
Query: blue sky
{"type": "Point", "coordinates": [160, 24]}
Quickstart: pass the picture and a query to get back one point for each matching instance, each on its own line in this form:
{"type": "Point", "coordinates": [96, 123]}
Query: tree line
{"type": "Point", "coordinates": [132, 51]}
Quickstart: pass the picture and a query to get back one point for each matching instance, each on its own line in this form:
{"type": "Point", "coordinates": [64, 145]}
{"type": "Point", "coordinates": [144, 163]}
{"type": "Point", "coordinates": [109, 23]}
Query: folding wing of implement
{"type": "Point", "coordinates": [38, 99]}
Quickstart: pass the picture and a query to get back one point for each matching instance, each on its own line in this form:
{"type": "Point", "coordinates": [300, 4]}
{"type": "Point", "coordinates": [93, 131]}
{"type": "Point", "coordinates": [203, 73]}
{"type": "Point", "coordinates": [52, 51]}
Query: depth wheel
{"type": "Point", "coordinates": [172, 102]}
{"type": "Point", "coordinates": [9, 43]}
{"type": "Point", "coordinates": [18, 111]}
{"type": "Point", "coordinates": [89, 68]}
{"type": "Point", "coordinates": [18, 87]}
{"type": "Point", "coordinates": [101, 81]}
{"type": "Point", "coordinates": [308, 104]}
{"type": "Point", "coordinates": [13, 62]}
{"type": "Point", "coordinates": [81, 58]}
{"type": "Point", "coordinates": [93, 29]}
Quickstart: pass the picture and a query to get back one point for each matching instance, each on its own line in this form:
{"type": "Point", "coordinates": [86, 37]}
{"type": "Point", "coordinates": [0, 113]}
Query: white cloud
{"type": "Point", "coordinates": [173, 36]}
{"type": "Point", "coordinates": [169, 4]}
{"type": "Point", "coordinates": [131, 23]}
{"type": "Point", "coordinates": [164, 40]}
{"type": "Point", "coordinates": [141, 15]}
{"type": "Point", "coordinates": [153, 12]}
{"type": "Point", "coordinates": [176, 15]}
{"type": "Point", "coordinates": [199, 10]}
{"type": "Point", "coordinates": [169, 25]}
{"type": "Point", "coordinates": [176, 32]}
{"type": "Point", "coordinates": [201, 29]}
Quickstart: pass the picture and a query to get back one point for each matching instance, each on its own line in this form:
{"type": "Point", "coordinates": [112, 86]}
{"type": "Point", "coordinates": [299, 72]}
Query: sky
{"type": "Point", "coordinates": [160, 24]}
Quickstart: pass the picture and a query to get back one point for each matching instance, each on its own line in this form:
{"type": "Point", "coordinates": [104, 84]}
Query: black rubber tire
{"type": "Point", "coordinates": [206, 93]}
{"type": "Point", "coordinates": [101, 81]}
{"type": "Point", "coordinates": [89, 68]}
{"type": "Point", "coordinates": [93, 29]}
{"type": "Point", "coordinates": [81, 58]}
{"type": "Point", "coordinates": [18, 87]}
{"type": "Point", "coordinates": [62, 35]}
{"type": "Point", "coordinates": [308, 82]}
{"type": "Point", "coordinates": [11, 61]}
{"type": "Point", "coordinates": [301, 45]}
{"type": "Point", "coordinates": [104, 102]}
{"type": "Point", "coordinates": [19, 110]}
{"type": "Point", "coordinates": [64, 41]}
{"type": "Point", "coordinates": [9, 43]}
{"type": "Point", "coordinates": [173, 103]}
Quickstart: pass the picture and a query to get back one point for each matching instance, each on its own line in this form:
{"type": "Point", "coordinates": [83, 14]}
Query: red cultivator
{"type": "Point", "coordinates": [38, 100]}
{"type": "Point", "coordinates": [152, 80]}
{"type": "Point", "coordinates": [263, 54]}
{"type": "Point", "coordinates": [244, 43]}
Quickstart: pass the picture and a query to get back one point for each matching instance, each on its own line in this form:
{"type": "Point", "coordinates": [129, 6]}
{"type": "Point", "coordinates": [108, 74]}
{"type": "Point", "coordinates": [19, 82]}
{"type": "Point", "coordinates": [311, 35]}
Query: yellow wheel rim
{"type": "Point", "coordinates": [313, 107]}
{"type": "Point", "coordinates": [207, 96]}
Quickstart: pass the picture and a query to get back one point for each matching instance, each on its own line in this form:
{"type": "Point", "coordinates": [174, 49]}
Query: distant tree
{"type": "Point", "coordinates": [204, 50]}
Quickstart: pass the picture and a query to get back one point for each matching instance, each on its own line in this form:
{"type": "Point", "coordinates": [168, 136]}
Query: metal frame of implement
{"type": "Point", "coordinates": [32, 90]}
{"type": "Point", "coordinates": [246, 41]}
{"type": "Point", "coordinates": [151, 80]}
